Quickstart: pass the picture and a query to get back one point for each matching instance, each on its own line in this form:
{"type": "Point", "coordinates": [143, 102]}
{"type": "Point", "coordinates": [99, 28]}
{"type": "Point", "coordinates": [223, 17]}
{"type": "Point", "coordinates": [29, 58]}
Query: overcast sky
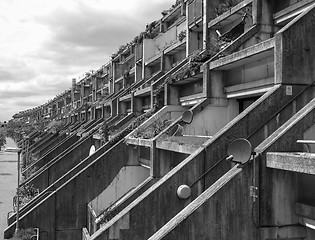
{"type": "Point", "coordinates": [46, 43]}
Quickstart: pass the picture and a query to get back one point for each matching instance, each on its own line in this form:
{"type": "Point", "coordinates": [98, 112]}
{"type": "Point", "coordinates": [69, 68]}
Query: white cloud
{"type": "Point", "coordinates": [45, 43]}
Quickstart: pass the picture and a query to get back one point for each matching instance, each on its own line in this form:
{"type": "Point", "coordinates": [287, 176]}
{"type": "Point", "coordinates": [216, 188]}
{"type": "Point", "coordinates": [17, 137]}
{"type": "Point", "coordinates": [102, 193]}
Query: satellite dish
{"type": "Point", "coordinates": [239, 150]}
{"type": "Point", "coordinates": [92, 150]}
{"type": "Point", "coordinates": [187, 116]}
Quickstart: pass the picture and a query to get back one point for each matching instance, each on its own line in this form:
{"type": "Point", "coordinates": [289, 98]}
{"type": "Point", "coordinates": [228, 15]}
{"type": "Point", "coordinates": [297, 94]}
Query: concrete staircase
{"type": "Point", "coordinates": [214, 149]}
{"type": "Point", "coordinates": [229, 204]}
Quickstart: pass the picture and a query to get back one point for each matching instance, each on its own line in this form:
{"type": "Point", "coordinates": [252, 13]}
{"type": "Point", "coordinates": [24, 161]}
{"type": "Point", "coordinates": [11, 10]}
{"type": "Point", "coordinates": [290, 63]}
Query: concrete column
{"type": "Point", "coordinates": [206, 80]}
{"type": "Point", "coordinates": [124, 82]}
{"type": "Point", "coordinates": [106, 114]}
{"type": "Point", "coordinates": [192, 41]}
{"type": "Point", "coordinates": [147, 72]}
{"type": "Point", "coordinates": [167, 62]}
{"type": "Point", "coordinates": [171, 95]}
{"type": "Point", "coordinates": [262, 14]}
{"type": "Point", "coordinates": [154, 160]}
{"type": "Point", "coordinates": [114, 107]}
{"type": "Point", "coordinates": [206, 19]}
{"type": "Point", "coordinates": [216, 84]}
{"type": "Point", "coordinates": [135, 104]}
{"type": "Point", "coordinates": [138, 72]}
{"type": "Point", "coordinates": [165, 162]}
{"type": "Point", "coordinates": [134, 155]}
{"type": "Point", "coordinates": [122, 107]}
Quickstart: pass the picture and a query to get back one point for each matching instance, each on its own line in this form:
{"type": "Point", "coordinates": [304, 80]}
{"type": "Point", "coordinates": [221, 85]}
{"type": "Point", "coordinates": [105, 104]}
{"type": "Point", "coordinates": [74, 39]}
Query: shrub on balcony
{"type": "Point", "coordinates": [116, 136]}
{"type": "Point", "coordinates": [153, 130]}
{"type": "Point", "coordinates": [27, 193]}
{"type": "Point", "coordinates": [55, 126]}
{"type": "Point", "coordinates": [29, 172]}
{"type": "Point", "coordinates": [181, 36]}
{"type": "Point", "coordinates": [223, 6]}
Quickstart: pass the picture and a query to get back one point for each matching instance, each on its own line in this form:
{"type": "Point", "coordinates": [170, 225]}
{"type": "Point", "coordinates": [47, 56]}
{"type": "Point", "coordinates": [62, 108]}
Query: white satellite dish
{"type": "Point", "coordinates": [239, 151]}
{"type": "Point", "coordinates": [92, 150]}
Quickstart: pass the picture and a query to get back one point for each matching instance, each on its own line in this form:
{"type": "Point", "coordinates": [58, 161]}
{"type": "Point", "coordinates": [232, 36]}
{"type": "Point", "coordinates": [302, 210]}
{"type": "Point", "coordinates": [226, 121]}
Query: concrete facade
{"type": "Point", "coordinates": [168, 105]}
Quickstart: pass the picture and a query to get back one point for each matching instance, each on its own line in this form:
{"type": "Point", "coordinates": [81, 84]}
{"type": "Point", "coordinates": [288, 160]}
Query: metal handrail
{"type": "Point", "coordinates": [276, 113]}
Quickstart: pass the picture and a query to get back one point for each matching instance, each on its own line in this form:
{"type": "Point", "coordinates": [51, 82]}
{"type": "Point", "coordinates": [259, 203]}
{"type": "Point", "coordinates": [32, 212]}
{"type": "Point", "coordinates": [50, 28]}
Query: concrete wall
{"type": "Point", "coordinates": [62, 180]}
{"type": "Point", "coordinates": [60, 165]}
{"type": "Point", "coordinates": [70, 200]}
{"type": "Point", "coordinates": [278, 208]}
{"type": "Point", "coordinates": [52, 144]}
{"type": "Point", "coordinates": [295, 50]}
{"type": "Point", "coordinates": [258, 70]}
{"type": "Point", "coordinates": [45, 137]}
{"type": "Point", "coordinates": [164, 40]}
{"type": "Point", "coordinates": [187, 172]}
{"type": "Point", "coordinates": [156, 206]}
{"type": "Point", "coordinates": [226, 215]}
{"type": "Point", "coordinates": [148, 49]}
{"type": "Point", "coordinates": [207, 122]}
{"type": "Point", "coordinates": [44, 143]}
{"type": "Point", "coordinates": [128, 178]}
{"type": "Point", "coordinates": [62, 146]}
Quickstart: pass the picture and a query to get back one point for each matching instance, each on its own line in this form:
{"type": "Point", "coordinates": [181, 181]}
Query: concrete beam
{"type": "Point", "coordinates": [295, 162]}
{"type": "Point", "coordinates": [217, 22]}
{"type": "Point", "coordinates": [305, 210]}
{"type": "Point", "coordinates": [236, 43]}
{"type": "Point", "coordinates": [253, 53]}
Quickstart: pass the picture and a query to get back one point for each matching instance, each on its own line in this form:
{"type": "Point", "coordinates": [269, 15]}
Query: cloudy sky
{"type": "Point", "coordinates": [46, 43]}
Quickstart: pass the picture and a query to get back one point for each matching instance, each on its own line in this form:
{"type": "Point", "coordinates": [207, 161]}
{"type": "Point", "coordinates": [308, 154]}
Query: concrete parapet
{"type": "Point", "coordinates": [146, 218]}
{"type": "Point", "coordinates": [68, 203]}
{"type": "Point", "coordinates": [295, 50]}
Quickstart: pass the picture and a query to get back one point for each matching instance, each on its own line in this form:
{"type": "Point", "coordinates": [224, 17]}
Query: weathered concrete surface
{"type": "Point", "coordinates": [147, 217]}
{"type": "Point", "coordinates": [188, 171]}
{"type": "Point", "coordinates": [55, 185]}
{"type": "Point", "coordinates": [61, 164]}
{"type": "Point", "coordinates": [295, 162]}
{"type": "Point", "coordinates": [94, 224]}
{"type": "Point", "coordinates": [128, 178]}
{"type": "Point", "coordinates": [42, 139]}
{"type": "Point", "coordinates": [279, 189]}
{"type": "Point", "coordinates": [223, 211]}
{"type": "Point", "coordinates": [305, 210]}
{"type": "Point", "coordinates": [182, 144]}
{"type": "Point", "coordinates": [54, 152]}
{"type": "Point", "coordinates": [54, 142]}
{"type": "Point", "coordinates": [204, 222]}
{"type": "Point", "coordinates": [295, 50]}
{"type": "Point", "coordinates": [68, 211]}
{"type": "Point", "coordinates": [49, 143]}
{"type": "Point", "coordinates": [259, 48]}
